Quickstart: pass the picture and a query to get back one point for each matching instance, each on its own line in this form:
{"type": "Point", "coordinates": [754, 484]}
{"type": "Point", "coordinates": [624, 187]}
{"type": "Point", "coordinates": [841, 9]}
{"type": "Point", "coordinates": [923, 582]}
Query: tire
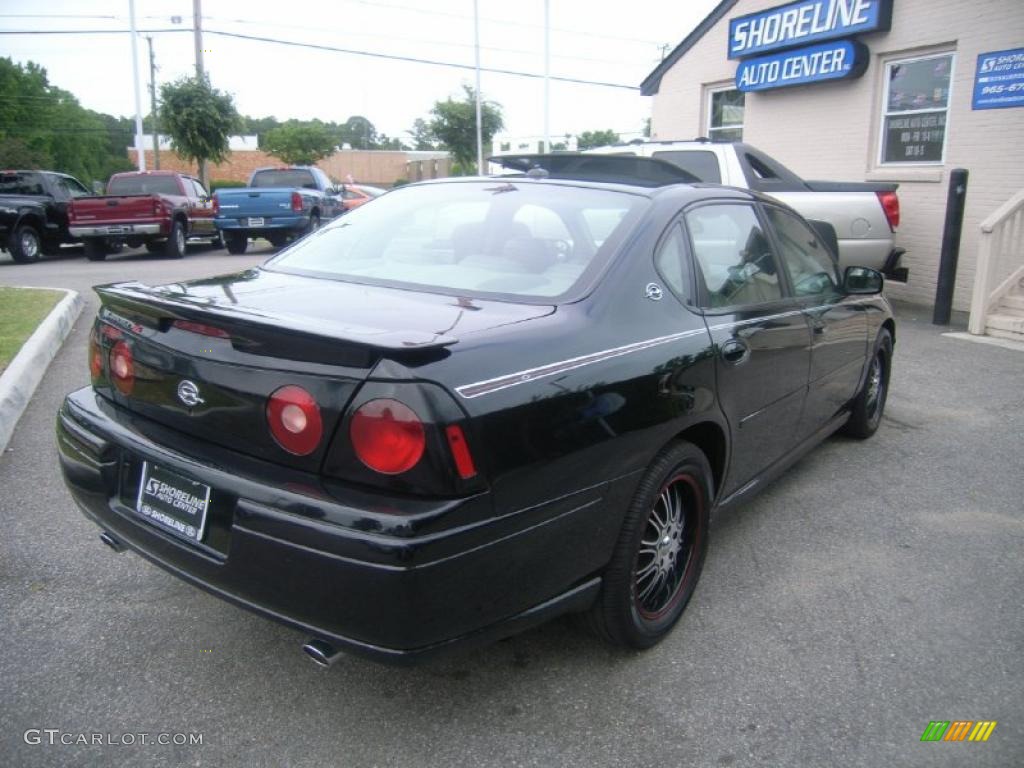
{"type": "Point", "coordinates": [218, 240]}
{"type": "Point", "coordinates": [660, 551]}
{"type": "Point", "coordinates": [95, 248]}
{"type": "Point", "coordinates": [155, 246]}
{"type": "Point", "coordinates": [174, 248]}
{"type": "Point", "coordinates": [27, 245]}
{"type": "Point", "coordinates": [313, 225]}
{"type": "Point", "coordinates": [869, 404]}
{"type": "Point", "coordinates": [236, 243]}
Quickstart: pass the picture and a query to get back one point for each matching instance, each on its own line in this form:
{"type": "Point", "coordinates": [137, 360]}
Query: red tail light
{"type": "Point", "coordinates": [122, 368]}
{"type": "Point", "coordinates": [387, 436]}
{"type": "Point", "coordinates": [460, 451]}
{"type": "Point", "coordinates": [216, 205]}
{"type": "Point", "coordinates": [158, 207]}
{"type": "Point", "coordinates": [296, 202]}
{"type": "Point", "coordinates": [891, 205]}
{"type": "Point", "coordinates": [294, 419]}
{"type": "Point", "coordinates": [95, 357]}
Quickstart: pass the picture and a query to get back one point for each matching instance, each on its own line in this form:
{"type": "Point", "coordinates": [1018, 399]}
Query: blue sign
{"type": "Point", "coordinates": [999, 80]}
{"type": "Point", "coordinates": [814, 64]}
{"type": "Point", "coordinates": [803, 22]}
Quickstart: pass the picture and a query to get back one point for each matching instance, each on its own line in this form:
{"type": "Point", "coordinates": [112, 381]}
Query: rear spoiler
{"type": "Point", "coordinates": [163, 304]}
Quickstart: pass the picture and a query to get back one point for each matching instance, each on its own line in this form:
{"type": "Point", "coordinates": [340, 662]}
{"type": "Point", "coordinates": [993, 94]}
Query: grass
{"type": "Point", "coordinates": [21, 311]}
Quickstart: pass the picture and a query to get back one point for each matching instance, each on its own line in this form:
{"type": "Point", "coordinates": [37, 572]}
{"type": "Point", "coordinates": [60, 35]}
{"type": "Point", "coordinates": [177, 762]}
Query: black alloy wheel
{"type": "Point", "coordinates": [660, 552]}
{"type": "Point", "coordinates": [869, 405]}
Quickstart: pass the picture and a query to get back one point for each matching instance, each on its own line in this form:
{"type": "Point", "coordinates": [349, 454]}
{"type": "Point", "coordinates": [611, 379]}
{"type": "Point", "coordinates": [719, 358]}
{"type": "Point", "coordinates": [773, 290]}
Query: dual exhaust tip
{"type": "Point", "coordinates": [321, 652]}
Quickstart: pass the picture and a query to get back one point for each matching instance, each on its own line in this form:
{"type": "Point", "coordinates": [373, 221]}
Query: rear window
{"type": "Point", "coordinates": [284, 177]}
{"type": "Point", "coordinates": [21, 184]}
{"type": "Point", "coordinates": [702, 164]}
{"type": "Point", "coordinates": [522, 240]}
{"type": "Point", "coordinates": [144, 185]}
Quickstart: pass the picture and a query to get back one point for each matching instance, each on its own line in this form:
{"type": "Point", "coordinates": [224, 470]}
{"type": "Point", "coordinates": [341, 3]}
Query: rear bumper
{"type": "Point", "coordinates": [117, 230]}
{"type": "Point", "coordinates": [359, 571]}
{"type": "Point", "coordinates": [274, 223]}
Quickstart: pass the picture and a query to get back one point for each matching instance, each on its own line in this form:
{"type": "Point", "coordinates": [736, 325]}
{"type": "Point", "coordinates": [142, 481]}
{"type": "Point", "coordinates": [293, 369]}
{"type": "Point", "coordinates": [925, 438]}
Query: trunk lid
{"type": "Point", "coordinates": [238, 338]}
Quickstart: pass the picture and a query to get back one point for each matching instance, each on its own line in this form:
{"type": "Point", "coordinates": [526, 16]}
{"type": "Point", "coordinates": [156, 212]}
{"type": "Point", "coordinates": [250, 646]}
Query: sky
{"type": "Point", "coordinates": [607, 42]}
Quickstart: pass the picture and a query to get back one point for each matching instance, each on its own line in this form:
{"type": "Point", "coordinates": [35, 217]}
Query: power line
{"type": "Point", "coordinates": [415, 60]}
{"type": "Point", "coordinates": [321, 47]}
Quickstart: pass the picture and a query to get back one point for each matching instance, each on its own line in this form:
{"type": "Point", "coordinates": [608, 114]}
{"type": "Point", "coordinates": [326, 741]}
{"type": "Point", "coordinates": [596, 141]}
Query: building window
{"type": "Point", "coordinates": [915, 109]}
{"type": "Point", "coordinates": [725, 115]}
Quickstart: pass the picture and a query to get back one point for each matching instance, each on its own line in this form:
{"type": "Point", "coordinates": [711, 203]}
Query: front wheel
{"type": "Point", "coordinates": [26, 245]}
{"type": "Point", "coordinates": [869, 405]}
{"type": "Point", "coordinates": [236, 243]}
{"type": "Point", "coordinates": [314, 223]}
{"type": "Point", "coordinates": [660, 552]}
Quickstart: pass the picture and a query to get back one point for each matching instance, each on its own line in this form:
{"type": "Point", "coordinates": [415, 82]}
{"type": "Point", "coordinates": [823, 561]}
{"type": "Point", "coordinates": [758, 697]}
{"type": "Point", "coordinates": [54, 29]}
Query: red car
{"type": "Point", "coordinates": [357, 194]}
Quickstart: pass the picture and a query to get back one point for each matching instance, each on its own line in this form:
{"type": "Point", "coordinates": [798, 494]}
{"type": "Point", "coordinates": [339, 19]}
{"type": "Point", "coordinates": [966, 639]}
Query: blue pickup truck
{"type": "Point", "coordinates": [279, 204]}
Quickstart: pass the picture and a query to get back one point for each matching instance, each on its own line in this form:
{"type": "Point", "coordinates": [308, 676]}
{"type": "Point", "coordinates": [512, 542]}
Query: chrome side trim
{"type": "Point", "coordinates": [486, 387]}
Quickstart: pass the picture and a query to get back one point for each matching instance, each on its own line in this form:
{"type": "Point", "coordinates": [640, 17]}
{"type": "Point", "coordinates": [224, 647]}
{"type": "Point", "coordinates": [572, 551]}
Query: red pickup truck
{"type": "Point", "coordinates": [160, 209]}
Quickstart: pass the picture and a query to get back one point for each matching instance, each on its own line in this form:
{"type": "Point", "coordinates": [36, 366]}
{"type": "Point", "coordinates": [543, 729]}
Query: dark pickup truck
{"type": "Point", "coordinates": [34, 212]}
{"type": "Point", "coordinates": [158, 209]}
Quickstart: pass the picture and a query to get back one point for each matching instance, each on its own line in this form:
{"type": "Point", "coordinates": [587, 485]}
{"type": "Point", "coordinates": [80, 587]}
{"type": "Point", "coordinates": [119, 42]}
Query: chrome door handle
{"type": "Point", "coordinates": [735, 351]}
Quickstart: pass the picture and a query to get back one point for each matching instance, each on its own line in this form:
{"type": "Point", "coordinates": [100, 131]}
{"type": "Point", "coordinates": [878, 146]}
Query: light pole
{"type": "Point", "coordinates": [547, 75]}
{"type": "Point", "coordinates": [135, 82]}
{"type": "Point", "coordinates": [152, 104]}
{"type": "Point", "coordinates": [479, 123]}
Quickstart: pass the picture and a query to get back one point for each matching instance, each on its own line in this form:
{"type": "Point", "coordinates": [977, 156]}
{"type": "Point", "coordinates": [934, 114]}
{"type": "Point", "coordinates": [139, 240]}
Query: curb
{"type": "Point", "coordinates": [19, 381]}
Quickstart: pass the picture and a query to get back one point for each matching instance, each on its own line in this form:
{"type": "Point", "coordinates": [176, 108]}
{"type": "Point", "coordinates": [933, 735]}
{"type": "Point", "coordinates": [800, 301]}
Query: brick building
{"type": "Point", "coordinates": [376, 167]}
{"type": "Point", "coordinates": [903, 102]}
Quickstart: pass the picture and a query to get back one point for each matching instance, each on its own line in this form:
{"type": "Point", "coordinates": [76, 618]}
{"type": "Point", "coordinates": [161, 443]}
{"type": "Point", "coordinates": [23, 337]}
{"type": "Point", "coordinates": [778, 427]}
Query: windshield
{"type": "Point", "coordinates": [522, 240]}
{"type": "Point", "coordinates": [144, 185]}
{"type": "Point", "coordinates": [284, 177]}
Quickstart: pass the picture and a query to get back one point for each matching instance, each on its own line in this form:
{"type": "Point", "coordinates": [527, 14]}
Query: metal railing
{"type": "Point", "coordinates": [1000, 260]}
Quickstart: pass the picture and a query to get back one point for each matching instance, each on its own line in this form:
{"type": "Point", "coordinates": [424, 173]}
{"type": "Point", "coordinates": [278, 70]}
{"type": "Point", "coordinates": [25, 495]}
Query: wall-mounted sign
{"type": "Point", "coordinates": [838, 60]}
{"type": "Point", "coordinates": [914, 138]}
{"type": "Point", "coordinates": [806, 21]}
{"type": "Point", "coordinates": [999, 80]}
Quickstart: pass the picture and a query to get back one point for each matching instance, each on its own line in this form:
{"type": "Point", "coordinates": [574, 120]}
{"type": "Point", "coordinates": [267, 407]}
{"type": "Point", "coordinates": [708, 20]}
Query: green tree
{"type": "Point", "coordinates": [300, 143]}
{"type": "Point", "coordinates": [591, 139]}
{"type": "Point", "coordinates": [358, 133]}
{"type": "Point", "coordinates": [198, 118]}
{"type": "Point", "coordinates": [454, 125]}
{"type": "Point", "coordinates": [422, 137]}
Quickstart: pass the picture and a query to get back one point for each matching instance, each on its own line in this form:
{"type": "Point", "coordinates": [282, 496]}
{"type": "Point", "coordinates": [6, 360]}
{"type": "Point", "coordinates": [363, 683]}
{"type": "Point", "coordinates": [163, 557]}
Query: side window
{"type": "Point", "coordinates": [734, 255]}
{"type": "Point", "coordinates": [198, 187]}
{"type": "Point", "coordinates": [72, 187]}
{"type": "Point", "coordinates": [670, 261]}
{"type": "Point", "coordinates": [807, 261]}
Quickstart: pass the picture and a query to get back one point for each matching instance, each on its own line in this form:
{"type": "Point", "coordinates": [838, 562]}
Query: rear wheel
{"type": "Point", "coordinates": [236, 243]}
{"type": "Point", "coordinates": [26, 246]}
{"type": "Point", "coordinates": [174, 248]}
{"type": "Point", "coordinates": [869, 405]}
{"type": "Point", "coordinates": [314, 223]}
{"type": "Point", "coordinates": [95, 248]}
{"type": "Point", "coordinates": [660, 552]}
{"type": "Point", "coordinates": [218, 240]}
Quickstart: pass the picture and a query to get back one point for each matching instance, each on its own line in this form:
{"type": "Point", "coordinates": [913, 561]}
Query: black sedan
{"type": "Point", "coordinates": [476, 404]}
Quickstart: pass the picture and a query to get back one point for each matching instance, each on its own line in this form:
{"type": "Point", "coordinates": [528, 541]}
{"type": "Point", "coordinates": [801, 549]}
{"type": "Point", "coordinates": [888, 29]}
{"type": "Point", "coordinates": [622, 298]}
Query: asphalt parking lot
{"type": "Point", "coordinates": [874, 588]}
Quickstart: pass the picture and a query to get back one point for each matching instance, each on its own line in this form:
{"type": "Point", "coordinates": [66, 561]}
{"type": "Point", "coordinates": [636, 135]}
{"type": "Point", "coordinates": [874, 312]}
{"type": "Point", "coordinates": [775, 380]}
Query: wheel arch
{"type": "Point", "coordinates": [711, 439]}
{"type": "Point", "coordinates": [890, 325]}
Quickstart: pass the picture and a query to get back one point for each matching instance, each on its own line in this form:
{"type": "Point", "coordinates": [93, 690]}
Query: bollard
{"type": "Point", "coordinates": [950, 246]}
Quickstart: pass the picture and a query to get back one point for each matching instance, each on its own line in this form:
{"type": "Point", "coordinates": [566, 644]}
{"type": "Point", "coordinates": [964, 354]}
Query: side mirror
{"type": "Point", "coordinates": [863, 280]}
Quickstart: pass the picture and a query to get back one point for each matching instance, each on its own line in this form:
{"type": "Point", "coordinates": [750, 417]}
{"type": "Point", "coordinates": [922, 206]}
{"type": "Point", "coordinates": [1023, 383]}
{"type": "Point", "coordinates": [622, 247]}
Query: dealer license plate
{"type": "Point", "coordinates": [257, 222]}
{"type": "Point", "coordinates": [172, 502]}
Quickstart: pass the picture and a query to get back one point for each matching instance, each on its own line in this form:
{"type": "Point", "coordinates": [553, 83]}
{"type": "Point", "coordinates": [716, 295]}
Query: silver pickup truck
{"type": "Point", "coordinates": [864, 214]}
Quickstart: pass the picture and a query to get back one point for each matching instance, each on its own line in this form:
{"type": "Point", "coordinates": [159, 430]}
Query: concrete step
{"type": "Point", "coordinates": [995, 333]}
{"type": "Point", "coordinates": [1012, 301]}
{"type": "Point", "coordinates": [1004, 322]}
{"type": "Point", "coordinates": [1005, 308]}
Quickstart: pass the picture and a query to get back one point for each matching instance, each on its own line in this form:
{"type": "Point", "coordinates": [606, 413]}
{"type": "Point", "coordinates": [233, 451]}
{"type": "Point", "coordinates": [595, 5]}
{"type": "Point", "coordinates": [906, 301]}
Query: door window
{"type": "Point", "coordinates": [734, 255]}
{"type": "Point", "coordinates": [671, 262]}
{"type": "Point", "coordinates": [808, 263]}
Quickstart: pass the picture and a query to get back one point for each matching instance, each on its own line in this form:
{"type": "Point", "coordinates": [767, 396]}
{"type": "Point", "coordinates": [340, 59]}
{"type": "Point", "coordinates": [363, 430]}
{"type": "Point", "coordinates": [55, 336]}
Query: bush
{"type": "Point", "coordinates": [225, 184]}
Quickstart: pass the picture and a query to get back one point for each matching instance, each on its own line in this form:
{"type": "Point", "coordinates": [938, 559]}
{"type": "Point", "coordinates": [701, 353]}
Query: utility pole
{"type": "Point", "coordinates": [152, 104]}
{"type": "Point", "coordinates": [197, 33]}
{"type": "Point", "coordinates": [547, 75]}
{"type": "Point", "coordinates": [479, 124]}
{"type": "Point", "coordinates": [135, 82]}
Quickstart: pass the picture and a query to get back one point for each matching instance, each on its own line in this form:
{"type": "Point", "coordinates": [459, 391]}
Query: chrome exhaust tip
{"type": "Point", "coordinates": [111, 542]}
{"type": "Point", "coordinates": [322, 653]}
